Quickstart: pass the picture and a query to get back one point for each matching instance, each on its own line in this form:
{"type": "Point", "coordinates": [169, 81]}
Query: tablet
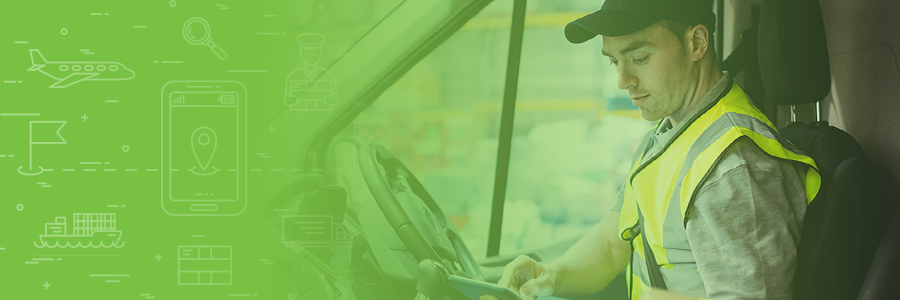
{"type": "Point", "coordinates": [474, 288]}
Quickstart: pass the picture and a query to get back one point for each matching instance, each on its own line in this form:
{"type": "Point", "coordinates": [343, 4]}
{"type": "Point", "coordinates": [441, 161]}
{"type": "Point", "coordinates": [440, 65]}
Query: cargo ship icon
{"type": "Point", "coordinates": [90, 230]}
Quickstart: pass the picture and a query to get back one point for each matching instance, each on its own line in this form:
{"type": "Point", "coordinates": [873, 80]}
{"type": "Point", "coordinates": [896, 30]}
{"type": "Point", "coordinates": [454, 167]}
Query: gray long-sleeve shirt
{"type": "Point", "coordinates": [745, 227]}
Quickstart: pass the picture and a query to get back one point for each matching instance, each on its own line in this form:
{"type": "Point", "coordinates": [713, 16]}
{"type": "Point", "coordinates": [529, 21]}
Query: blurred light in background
{"type": "Point", "coordinates": [573, 137]}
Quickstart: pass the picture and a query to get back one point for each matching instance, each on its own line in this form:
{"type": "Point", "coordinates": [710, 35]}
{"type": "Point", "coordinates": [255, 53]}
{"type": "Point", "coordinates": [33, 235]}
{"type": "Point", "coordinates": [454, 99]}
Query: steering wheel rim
{"type": "Point", "coordinates": [371, 155]}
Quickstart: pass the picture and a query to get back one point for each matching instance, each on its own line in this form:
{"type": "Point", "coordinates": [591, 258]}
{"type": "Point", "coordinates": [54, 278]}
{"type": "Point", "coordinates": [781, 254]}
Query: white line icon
{"type": "Point", "coordinates": [203, 144]}
{"type": "Point", "coordinates": [104, 276]}
{"type": "Point", "coordinates": [90, 230]}
{"type": "Point", "coordinates": [68, 73]}
{"type": "Point", "coordinates": [312, 231]}
{"type": "Point", "coordinates": [43, 126]}
{"type": "Point", "coordinates": [310, 88]}
{"type": "Point", "coordinates": [204, 265]}
{"type": "Point", "coordinates": [196, 32]}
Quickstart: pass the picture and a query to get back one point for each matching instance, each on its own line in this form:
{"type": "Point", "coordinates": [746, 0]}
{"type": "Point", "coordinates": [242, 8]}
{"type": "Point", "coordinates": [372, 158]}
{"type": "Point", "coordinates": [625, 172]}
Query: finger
{"type": "Point", "coordinates": [514, 289]}
{"type": "Point", "coordinates": [511, 283]}
{"type": "Point", "coordinates": [509, 278]}
{"type": "Point", "coordinates": [538, 287]}
{"type": "Point", "coordinates": [504, 281]}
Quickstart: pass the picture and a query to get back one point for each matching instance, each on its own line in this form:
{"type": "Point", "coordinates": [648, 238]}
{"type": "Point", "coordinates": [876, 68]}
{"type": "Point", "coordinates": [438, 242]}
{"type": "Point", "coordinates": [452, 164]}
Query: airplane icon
{"type": "Point", "coordinates": [69, 73]}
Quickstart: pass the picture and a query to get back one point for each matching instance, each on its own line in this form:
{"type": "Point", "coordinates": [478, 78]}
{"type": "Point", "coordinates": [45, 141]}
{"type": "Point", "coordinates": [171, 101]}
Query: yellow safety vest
{"type": "Point", "coordinates": [664, 187]}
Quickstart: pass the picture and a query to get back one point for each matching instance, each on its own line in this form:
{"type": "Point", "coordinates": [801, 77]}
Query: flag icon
{"type": "Point", "coordinates": [46, 132]}
{"type": "Point", "coordinates": [42, 133]}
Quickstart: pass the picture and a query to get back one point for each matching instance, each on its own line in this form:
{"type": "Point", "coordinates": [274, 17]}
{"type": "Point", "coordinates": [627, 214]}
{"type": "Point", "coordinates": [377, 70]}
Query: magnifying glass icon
{"type": "Point", "coordinates": [196, 32]}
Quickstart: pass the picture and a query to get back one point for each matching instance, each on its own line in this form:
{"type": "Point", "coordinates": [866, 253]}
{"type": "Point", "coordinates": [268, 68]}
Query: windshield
{"type": "Point", "coordinates": [442, 120]}
{"type": "Point", "coordinates": [341, 53]}
{"type": "Point", "coordinates": [574, 130]}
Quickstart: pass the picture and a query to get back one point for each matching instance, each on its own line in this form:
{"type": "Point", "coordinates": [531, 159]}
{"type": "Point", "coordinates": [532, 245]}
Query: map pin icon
{"type": "Point", "coordinates": [203, 142]}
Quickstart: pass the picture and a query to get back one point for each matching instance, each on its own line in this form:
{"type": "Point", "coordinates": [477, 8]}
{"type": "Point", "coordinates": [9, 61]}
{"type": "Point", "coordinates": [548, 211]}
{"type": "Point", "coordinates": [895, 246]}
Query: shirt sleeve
{"type": "Point", "coordinates": [745, 227]}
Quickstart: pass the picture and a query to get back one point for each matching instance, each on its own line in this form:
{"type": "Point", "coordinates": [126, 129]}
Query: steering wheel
{"type": "Point", "coordinates": [373, 155]}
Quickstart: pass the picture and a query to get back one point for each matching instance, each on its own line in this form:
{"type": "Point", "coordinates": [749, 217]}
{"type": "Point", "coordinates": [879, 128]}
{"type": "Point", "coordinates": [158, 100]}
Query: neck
{"type": "Point", "coordinates": [706, 77]}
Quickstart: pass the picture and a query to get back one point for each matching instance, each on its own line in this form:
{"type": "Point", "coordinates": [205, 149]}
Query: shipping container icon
{"type": "Point", "coordinates": [313, 231]}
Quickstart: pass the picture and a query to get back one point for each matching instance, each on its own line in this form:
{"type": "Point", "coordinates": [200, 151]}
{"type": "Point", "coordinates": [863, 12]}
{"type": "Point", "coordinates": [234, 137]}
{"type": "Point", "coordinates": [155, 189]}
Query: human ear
{"type": "Point", "coordinates": [699, 41]}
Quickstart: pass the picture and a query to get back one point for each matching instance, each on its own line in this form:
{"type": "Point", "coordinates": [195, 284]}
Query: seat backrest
{"type": "Point", "coordinates": [883, 279]}
{"type": "Point", "coordinates": [844, 224]}
{"type": "Point", "coordinates": [829, 146]}
{"type": "Point", "coordinates": [837, 239]}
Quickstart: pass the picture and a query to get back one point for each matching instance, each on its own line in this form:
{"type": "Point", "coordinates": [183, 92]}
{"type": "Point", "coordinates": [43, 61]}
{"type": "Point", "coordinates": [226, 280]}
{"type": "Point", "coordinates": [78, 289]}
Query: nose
{"type": "Point", "coordinates": [626, 80]}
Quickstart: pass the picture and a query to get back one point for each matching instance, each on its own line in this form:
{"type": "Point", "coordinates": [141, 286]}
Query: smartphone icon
{"type": "Point", "coordinates": [204, 148]}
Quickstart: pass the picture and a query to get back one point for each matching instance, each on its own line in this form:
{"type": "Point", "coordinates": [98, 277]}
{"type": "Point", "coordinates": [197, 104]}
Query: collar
{"type": "Point", "coordinates": [665, 126]}
{"type": "Point", "coordinates": [665, 132]}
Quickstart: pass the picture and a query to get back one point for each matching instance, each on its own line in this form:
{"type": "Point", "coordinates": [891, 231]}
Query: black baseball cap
{"type": "Point", "coordinates": [623, 17]}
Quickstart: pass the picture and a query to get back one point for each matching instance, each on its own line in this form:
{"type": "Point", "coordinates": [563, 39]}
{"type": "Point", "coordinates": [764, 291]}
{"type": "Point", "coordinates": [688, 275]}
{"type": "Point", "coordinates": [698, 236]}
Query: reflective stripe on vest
{"type": "Point", "coordinates": [674, 174]}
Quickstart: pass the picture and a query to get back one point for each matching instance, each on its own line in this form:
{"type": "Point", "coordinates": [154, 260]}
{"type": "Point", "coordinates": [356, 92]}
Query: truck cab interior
{"type": "Point", "coordinates": [475, 133]}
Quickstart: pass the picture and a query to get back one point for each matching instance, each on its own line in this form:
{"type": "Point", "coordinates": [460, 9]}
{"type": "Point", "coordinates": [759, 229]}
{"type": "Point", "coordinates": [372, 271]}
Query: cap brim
{"type": "Point", "coordinates": [608, 22]}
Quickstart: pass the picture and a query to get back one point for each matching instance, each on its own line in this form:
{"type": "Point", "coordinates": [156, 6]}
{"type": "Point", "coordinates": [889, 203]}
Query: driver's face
{"type": "Point", "coordinates": [654, 67]}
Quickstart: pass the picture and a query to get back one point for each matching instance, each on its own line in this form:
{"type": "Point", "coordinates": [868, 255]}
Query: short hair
{"type": "Point", "coordinates": [678, 29]}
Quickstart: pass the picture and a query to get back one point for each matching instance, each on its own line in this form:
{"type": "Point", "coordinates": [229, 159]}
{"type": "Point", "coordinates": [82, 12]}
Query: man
{"type": "Point", "coordinates": [714, 190]}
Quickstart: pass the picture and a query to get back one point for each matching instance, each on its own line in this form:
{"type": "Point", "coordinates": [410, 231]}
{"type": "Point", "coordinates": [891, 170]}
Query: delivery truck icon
{"type": "Point", "coordinates": [313, 231]}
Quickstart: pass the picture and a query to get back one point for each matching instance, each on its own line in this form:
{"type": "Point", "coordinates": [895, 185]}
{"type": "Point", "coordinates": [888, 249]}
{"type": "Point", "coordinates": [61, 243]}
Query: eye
{"type": "Point", "coordinates": [613, 62]}
{"type": "Point", "coordinates": [641, 60]}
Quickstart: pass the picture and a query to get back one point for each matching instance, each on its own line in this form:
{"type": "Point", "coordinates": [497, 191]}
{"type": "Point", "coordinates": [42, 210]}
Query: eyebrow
{"type": "Point", "coordinates": [633, 46]}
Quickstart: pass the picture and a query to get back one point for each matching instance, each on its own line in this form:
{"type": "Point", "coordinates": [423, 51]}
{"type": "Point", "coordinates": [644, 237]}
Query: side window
{"type": "Point", "coordinates": [442, 120]}
{"type": "Point", "coordinates": [574, 133]}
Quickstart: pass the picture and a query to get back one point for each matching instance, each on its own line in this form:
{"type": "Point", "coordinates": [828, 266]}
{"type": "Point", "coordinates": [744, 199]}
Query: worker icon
{"type": "Point", "coordinates": [310, 88]}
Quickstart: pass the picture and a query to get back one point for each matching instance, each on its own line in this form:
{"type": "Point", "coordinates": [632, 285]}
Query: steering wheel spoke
{"type": "Point", "coordinates": [444, 244]}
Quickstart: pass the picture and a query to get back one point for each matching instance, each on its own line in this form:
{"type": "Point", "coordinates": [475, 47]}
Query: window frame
{"type": "Point", "coordinates": [321, 140]}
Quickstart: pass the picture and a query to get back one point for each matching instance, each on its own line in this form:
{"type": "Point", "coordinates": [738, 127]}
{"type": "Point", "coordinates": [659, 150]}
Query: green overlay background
{"type": "Point", "coordinates": [573, 133]}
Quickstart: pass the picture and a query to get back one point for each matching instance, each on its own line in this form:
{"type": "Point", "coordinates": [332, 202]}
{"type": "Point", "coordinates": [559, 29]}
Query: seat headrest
{"type": "Point", "coordinates": [793, 55]}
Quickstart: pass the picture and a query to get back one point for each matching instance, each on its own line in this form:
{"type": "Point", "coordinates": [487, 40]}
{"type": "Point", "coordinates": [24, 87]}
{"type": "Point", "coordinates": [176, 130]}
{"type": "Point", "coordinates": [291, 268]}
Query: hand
{"type": "Point", "coordinates": [660, 294]}
{"type": "Point", "coordinates": [527, 278]}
